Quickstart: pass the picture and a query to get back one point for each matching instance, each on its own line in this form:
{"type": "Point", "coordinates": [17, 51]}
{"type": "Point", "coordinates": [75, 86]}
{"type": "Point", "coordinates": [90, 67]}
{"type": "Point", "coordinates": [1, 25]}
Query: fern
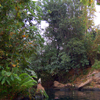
{"type": "Point", "coordinates": [15, 83]}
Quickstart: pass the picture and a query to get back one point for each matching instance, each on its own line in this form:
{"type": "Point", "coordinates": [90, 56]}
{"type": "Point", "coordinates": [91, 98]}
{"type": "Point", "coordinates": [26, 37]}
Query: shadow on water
{"type": "Point", "coordinates": [73, 95]}
{"type": "Point", "coordinates": [69, 95]}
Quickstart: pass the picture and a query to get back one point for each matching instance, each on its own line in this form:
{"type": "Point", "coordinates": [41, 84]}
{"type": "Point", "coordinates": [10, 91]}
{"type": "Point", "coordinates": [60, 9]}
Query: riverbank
{"type": "Point", "coordinates": [91, 80]}
{"type": "Point", "coordinates": [88, 79]}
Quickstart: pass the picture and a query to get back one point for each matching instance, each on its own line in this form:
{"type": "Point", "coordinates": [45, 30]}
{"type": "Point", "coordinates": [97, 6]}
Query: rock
{"type": "Point", "coordinates": [58, 85]}
{"type": "Point", "coordinates": [69, 85]}
{"type": "Point", "coordinates": [39, 95]}
{"type": "Point", "coordinates": [96, 78]}
{"type": "Point", "coordinates": [40, 88]}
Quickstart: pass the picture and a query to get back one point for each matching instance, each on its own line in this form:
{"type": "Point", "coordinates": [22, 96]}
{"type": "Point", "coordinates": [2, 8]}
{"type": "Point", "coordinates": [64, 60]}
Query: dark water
{"type": "Point", "coordinates": [73, 95]}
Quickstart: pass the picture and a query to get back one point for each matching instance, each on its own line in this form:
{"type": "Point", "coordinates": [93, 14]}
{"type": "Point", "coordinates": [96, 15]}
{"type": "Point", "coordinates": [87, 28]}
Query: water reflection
{"type": "Point", "coordinates": [73, 95]}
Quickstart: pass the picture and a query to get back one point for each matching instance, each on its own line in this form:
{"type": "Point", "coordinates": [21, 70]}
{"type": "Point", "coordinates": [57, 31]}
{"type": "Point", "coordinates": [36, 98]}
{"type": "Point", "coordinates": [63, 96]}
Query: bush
{"type": "Point", "coordinates": [96, 65]}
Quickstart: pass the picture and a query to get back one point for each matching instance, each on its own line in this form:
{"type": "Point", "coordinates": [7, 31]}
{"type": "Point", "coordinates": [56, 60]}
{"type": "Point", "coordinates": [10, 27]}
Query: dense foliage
{"type": "Point", "coordinates": [69, 37]}
{"type": "Point", "coordinates": [19, 38]}
{"type": "Point", "coordinates": [71, 42]}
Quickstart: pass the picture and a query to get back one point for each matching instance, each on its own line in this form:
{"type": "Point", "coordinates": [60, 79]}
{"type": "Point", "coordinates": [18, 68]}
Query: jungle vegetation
{"type": "Point", "coordinates": [70, 42]}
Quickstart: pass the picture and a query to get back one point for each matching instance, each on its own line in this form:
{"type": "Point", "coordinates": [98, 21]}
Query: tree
{"type": "Point", "coordinates": [66, 21]}
{"type": "Point", "coordinates": [18, 40]}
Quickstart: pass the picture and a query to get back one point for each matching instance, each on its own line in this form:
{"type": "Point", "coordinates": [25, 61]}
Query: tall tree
{"type": "Point", "coordinates": [66, 21]}
{"type": "Point", "coordinates": [65, 48]}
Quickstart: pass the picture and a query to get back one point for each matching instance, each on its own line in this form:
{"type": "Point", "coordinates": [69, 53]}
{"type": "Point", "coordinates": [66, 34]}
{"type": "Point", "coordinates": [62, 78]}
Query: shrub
{"type": "Point", "coordinates": [12, 84]}
{"type": "Point", "coordinates": [96, 65]}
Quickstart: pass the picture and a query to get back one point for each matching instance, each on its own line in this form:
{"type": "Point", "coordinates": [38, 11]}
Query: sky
{"type": "Point", "coordinates": [97, 13]}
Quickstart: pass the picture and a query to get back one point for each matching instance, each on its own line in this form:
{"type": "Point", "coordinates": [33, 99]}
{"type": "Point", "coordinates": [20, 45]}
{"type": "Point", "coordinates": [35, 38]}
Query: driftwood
{"type": "Point", "coordinates": [84, 84]}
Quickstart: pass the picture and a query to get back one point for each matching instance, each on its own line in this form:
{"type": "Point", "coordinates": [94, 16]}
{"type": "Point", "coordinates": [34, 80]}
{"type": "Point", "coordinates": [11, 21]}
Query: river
{"type": "Point", "coordinates": [73, 95]}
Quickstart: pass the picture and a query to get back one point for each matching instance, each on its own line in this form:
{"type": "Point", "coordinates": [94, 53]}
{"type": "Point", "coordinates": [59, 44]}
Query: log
{"type": "Point", "coordinates": [84, 84]}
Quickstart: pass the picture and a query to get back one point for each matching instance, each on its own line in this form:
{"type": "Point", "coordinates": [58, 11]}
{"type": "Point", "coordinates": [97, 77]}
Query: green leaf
{"type": "Point", "coordinates": [1, 67]}
{"type": "Point", "coordinates": [3, 81]}
{"type": "Point", "coordinates": [7, 68]}
{"type": "Point", "coordinates": [24, 80]}
{"type": "Point", "coordinates": [8, 73]}
{"type": "Point", "coordinates": [1, 78]}
{"type": "Point", "coordinates": [45, 94]}
{"type": "Point", "coordinates": [32, 73]}
{"type": "Point", "coordinates": [3, 72]}
{"type": "Point", "coordinates": [12, 78]}
{"type": "Point", "coordinates": [17, 77]}
{"type": "Point", "coordinates": [34, 81]}
{"type": "Point", "coordinates": [28, 83]}
{"type": "Point", "coordinates": [8, 82]}
{"type": "Point", "coordinates": [23, 74]}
